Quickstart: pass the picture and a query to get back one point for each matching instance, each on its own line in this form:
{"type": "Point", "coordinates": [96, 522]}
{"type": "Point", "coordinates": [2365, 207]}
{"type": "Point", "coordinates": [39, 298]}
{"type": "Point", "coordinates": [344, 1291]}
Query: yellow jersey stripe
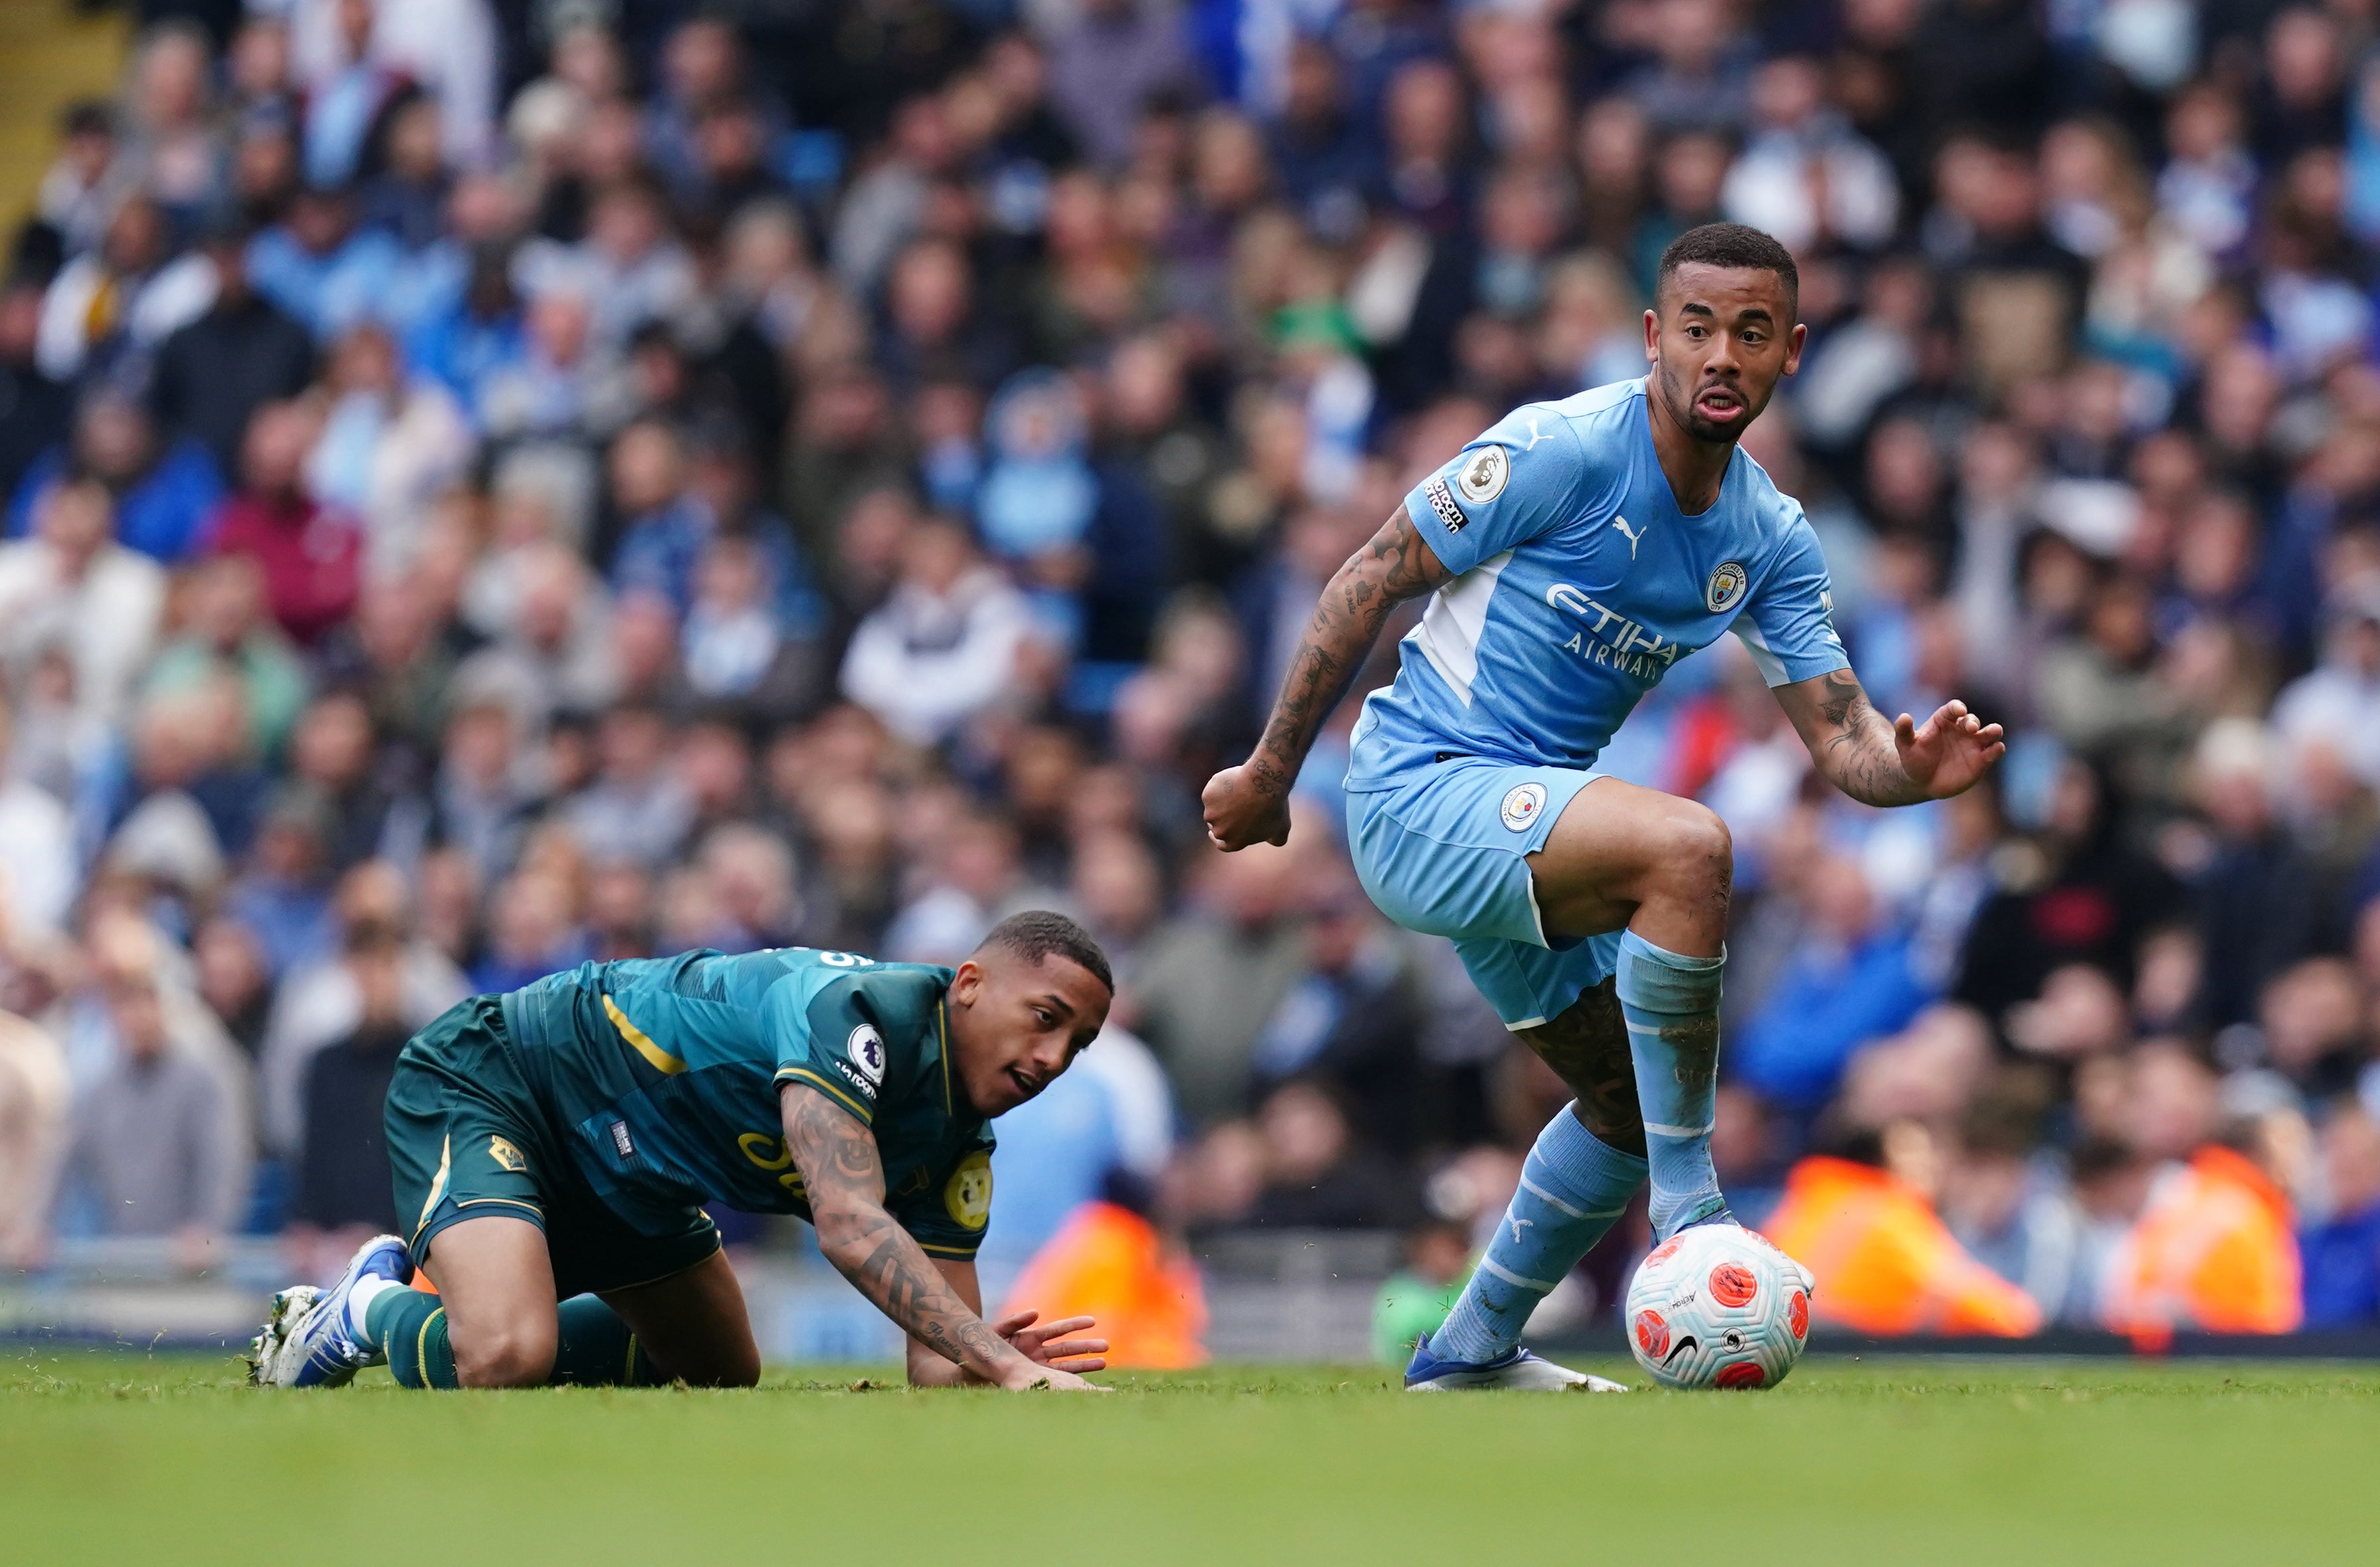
{"type": "Point", "coordinates": [943, 1032]}
{"type": "Point", "coordinates": [661, 1060]}
{"type": "Point", "coordinates": [807, 1076]}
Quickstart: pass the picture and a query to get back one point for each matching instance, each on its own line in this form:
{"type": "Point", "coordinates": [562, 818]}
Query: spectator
{"type": "Point", "coordinates": [38, 874]}
{"type": "Point", "coordinates": [310, 553]}
{"type": "Point", "coordinates": [160, 1145]}
{"type": "Point", "coordinates": [214, 373]}
{"type": "Point", "coordinates": [110, 307]}
{"type": "Point", "coordinates": [1889, 1264]}
{"type": "Point", "coordinates": [328, 999]}
{"type": "Point", "coordinates": [72, 586]}
{"type": "Point", "coordinates": [2342, 1254]}
{"type": "Point", "coordinates": [35, 409]}
{"type": "Point", "coordinates": [339, 1197]}
{"type": "Point", "coordinates": [163, 488]}
{"type": "Point", "coordinates": [1316, 1174]}
{"type": "Point", "coordinates": [35, 1102]}
{"type": "Point", "coordinates": [943, 646]}
{"type": "Point", "coordinates": [322, 270]}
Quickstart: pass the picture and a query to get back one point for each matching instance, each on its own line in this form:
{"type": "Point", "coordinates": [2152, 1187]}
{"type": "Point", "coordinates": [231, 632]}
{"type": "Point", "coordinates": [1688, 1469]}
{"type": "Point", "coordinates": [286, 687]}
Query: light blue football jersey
{"type": "Point", "coordinates": [1578, 585]}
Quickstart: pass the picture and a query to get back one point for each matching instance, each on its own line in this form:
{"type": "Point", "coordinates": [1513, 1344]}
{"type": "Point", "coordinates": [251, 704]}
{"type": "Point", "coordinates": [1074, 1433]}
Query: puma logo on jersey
{"type": "Point", "coordinates": [1636, 535]}
{"type": "Point", "coordinates": [1534, 436]}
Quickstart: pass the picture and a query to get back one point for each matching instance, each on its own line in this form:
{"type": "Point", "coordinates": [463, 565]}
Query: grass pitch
{"type": "Point", "coordinates": [114, 1457]}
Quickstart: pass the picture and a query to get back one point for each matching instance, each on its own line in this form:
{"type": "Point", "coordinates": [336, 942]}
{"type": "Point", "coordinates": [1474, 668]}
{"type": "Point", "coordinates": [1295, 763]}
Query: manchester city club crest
{"type": "Point", "coordinates": [1523, 802]}
{"type": "Point", "coordinates": [1726, 588]}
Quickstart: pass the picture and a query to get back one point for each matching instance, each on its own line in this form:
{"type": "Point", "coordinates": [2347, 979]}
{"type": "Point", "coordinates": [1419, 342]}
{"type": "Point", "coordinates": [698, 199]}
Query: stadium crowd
{"type": "Point", "coordinates": [492, 484]}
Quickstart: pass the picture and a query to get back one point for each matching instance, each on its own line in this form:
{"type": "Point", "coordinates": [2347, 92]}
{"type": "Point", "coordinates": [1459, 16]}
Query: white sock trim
{"type": "Point", "coordinates": [1655, 1126]}
{"type": "Point", "coordinates": [1544, 1195]}
{"type": "Point", "coordinates": [1540, 1285]}
{"type": "Point", "coordinates": [366, 1291]}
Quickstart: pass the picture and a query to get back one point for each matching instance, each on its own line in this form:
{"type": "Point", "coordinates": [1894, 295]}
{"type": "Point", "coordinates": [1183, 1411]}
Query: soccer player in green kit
{"type": "Point", "coordinates": [556, 1145]}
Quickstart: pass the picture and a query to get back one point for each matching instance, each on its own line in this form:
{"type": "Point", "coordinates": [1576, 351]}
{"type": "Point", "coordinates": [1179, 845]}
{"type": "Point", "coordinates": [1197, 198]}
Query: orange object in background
{"type": "Point", "coordinates": [1885, 1262]}
{"type": "Point", "coordinates": [1109, 1262]}
{"type": "Point", "coordinates": [2212, 1250]}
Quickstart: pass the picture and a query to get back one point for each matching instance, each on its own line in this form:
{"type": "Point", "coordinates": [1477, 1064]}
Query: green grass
{"type": "Point", "coordinates": [115, 1457]}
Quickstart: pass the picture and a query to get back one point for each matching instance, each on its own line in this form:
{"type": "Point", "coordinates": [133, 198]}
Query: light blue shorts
{"type": "Point", "coordinates": [1446, 854]}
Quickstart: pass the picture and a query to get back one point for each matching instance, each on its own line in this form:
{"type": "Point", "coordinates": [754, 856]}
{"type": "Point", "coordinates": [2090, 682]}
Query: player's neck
{"type": "Point", "coordinates": [1695, 468]}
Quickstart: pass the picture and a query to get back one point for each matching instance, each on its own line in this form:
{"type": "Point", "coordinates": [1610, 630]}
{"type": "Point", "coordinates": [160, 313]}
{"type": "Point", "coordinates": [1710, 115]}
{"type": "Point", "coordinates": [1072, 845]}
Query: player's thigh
{"type": "Point", "coordinates": [1616, 844]}
{"type": "Point", "coordinates": [496, 1279]}
{"type": "Point", "coordinates": [694, 1324]}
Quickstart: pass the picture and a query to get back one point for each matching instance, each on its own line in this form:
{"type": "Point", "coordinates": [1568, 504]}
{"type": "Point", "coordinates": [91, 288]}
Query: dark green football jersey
{"type": "Point", "coordinates": [662, 1074]}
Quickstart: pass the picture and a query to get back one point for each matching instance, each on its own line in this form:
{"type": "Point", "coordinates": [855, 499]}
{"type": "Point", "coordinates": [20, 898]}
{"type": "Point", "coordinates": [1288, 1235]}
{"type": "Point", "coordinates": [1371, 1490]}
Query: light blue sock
{"type": "Point", "coordinates": [1671, 1005]}
{"type": "Point", "coordinates": [1572, 1186]}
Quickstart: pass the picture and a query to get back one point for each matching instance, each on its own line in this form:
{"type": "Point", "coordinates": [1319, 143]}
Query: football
{"type": "Point", "coordinates": [1718, 1307]}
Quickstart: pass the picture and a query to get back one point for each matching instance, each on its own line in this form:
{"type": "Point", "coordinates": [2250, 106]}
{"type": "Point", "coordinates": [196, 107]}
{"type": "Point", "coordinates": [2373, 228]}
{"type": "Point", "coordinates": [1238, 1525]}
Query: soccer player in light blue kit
{"type": "Point", "coordinates": [1575, 553]}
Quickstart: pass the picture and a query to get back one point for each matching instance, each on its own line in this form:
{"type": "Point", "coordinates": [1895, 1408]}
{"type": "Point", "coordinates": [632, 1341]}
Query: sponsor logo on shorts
{"type": "Point", "coordinates": [866, 1047]}
{"type": "Point", "coordinates": [1522, 804]}
{"type": "Point", "coordinates": [503, 1153]}
{"type": "Point", "coordinates": [1726, 587]}
{"type": "Point", "coordinates": [1441, 500]}
{"type": "Point", "coordinates": [1482, 474]}
{"type": "Point", "coordinates": [621, 1140]}
{"type": "Point", "coordinates": [968, 1194]}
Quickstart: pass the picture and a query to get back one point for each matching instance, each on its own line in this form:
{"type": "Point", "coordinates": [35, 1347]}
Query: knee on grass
{"type": "Point", "coordinates": [516, 1358]}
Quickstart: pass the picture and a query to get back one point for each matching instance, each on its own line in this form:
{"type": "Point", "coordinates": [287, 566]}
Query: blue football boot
{"type": "Point", "coordinates": [1520, 1370]}
{"type": "Point", "coordinates": [307, 1343]}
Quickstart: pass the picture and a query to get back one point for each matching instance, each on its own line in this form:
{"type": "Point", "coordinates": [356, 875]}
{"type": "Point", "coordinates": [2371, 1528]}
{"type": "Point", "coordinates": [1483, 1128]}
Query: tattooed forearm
{"type": "Point", "coordinates": [1850, 741]}
{"type": "Point", "coordinates": [1397, 564]}
{"type": "Point", "coordinates": [844, 1177]}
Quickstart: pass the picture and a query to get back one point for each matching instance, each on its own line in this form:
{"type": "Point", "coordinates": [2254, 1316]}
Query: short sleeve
{"type": "Point", "coordinates": [1527, 476]}
{"type": "Point", "coordinates": [836, 1044]}
{"type": "Point", "coordinates": [1790, 624]}
{"type": "Point", "coordinates": [948, 1217]}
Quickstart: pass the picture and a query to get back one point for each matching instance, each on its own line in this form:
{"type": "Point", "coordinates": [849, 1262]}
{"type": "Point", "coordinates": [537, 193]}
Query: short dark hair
{"type": "Point", "coordinates": [1039, 932]}
{"type": "Point", "coordinates": [1731, 245]}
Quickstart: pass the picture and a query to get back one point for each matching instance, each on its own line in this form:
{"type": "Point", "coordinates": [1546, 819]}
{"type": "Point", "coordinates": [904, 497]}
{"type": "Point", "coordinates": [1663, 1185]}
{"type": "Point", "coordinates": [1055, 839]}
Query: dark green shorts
{"type": "Point", "coordinates": [468, 1139]}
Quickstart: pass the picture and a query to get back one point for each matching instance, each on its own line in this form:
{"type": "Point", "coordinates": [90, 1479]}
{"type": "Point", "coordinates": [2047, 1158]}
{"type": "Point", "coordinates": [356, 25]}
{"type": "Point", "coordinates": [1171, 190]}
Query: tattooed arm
{"type": "Point", "coordinates": [1249, 804]}
{"type": "Point", "coordinates": [836, 1154]}
{"type": "Point", "coordinates": [1045, 1343]}
{"type": "Point", "coordinates": [1881, 763]}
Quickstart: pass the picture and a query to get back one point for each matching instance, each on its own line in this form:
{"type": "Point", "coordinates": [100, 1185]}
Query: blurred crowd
{"type": "Point", "coordinates": [495, 483]}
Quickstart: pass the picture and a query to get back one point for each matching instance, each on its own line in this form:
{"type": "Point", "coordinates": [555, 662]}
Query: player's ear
{"type": "Point", "coordinates": [967, 984]}
{"type": "Point", "coordinates": [1794, 343]}
{"type": "Point", "coordinates": [1652, 337]}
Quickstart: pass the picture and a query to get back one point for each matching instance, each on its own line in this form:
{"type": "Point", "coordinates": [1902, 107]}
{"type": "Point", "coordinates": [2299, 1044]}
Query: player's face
{"type": "Point", "coordinates": [1014, 1025]}
{"type": "Point", "coordinates": [1718, 342]}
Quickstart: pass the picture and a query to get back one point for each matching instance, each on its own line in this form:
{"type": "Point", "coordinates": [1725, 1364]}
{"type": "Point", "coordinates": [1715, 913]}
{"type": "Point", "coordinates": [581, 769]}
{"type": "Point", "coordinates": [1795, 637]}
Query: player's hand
{"type": "Point", "coordinates": [1048, 1343]}
{"type": "Point", "coordinates": [1946, 754]}
{"type": "Point", "coordinates": [1242, 808]}
{"type": "Point", "coordinates": [1028, 1378]}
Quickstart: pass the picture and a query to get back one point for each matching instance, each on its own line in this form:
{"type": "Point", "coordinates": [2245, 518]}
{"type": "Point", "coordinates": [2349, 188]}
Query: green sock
{"type": "Point", "coordinates": [413, 1327]}
{"type": "Point", "coordinates": [596, 1350]}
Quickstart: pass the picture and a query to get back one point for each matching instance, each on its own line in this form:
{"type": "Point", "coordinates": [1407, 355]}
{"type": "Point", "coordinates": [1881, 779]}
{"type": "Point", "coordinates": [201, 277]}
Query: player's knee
{"type": "Point", "coordinates": [738, 1367]}
{"type": "Point", "coordinates": [1698, 853]}
{"type": "Point", "coordinates": [505, 1358]}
